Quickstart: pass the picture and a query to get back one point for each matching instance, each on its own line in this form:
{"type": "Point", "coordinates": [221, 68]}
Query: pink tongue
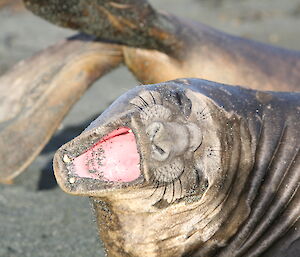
{"type": "Point", "coordinates": [113, 158]}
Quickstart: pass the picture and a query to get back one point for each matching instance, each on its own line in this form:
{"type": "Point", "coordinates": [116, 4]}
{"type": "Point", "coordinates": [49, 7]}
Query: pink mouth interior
{"type": "Point", "coordinates": [113, 158]}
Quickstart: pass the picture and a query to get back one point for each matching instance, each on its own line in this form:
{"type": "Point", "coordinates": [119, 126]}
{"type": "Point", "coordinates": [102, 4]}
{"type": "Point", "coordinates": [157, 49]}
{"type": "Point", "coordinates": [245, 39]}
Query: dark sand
{"type": "Point", "coordinates": [36, 218]}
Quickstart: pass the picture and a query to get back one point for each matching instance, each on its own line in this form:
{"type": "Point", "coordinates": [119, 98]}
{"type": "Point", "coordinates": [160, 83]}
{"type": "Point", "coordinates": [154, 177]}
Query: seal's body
{"type": "Point", "coordinates": [212, 170]}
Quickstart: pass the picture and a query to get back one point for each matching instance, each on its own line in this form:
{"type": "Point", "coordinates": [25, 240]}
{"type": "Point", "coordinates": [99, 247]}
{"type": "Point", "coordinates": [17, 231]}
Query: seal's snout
{"type": "Point", "coordinates": [169, 139]}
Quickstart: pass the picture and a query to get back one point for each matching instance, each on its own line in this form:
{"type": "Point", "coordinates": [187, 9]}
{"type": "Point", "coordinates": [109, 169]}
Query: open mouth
{"type": "Point", "coordinates": [114, 158]}
{"type": "Point", "coordinates": [93, 165]}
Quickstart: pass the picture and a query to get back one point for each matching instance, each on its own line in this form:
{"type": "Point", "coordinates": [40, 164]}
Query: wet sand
{"type": "Point", "coordinates": [36, 218]}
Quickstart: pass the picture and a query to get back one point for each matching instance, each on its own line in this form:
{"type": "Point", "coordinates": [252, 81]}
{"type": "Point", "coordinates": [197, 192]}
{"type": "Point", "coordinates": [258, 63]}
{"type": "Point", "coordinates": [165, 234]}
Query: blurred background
{"type": "Point", "coordinates": [36, 218]}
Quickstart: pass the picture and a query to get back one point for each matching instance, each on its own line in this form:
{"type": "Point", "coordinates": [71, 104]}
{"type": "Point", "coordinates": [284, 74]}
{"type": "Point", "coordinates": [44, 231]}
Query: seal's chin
{"type": "Point", "coordinates": [113, 158]}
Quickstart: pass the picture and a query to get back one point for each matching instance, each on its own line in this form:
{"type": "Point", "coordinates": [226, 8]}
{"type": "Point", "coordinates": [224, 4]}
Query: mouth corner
{"type": "Point", "coordinates": [113, 161]}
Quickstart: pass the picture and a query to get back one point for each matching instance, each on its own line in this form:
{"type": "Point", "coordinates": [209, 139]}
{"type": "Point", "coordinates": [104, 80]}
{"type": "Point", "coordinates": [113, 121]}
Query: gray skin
{"type": "Point", "coordinates": [220, 169]}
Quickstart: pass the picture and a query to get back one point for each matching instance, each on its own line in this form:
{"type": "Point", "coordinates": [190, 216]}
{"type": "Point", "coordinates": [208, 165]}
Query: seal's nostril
{"type": "Point", "coordinates": [153, 129]}
{"type": "Point", "coordinates": [160, 150]}
{"type": "Point", "coordinates": [159, 153]}
{"type": "Point", "coordinates": [157, 134]}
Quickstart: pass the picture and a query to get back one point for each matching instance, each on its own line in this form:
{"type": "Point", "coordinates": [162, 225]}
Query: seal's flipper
{"type": "Point", "coordinates": [175, 48]}
{"type": "Point", "coordinates": [132, 22]}
{"type": "Point", "coordinates": [36, 94]}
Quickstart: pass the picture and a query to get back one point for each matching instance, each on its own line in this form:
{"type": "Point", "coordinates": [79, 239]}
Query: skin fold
{"type": "Point", "coordinates": [222, 191]}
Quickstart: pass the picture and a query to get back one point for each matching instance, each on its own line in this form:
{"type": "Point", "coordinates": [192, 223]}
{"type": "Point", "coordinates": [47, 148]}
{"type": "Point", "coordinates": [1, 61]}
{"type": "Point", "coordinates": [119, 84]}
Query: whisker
{"type": "Point", "coordinates": [137, 106]}
{"type": "Point", "coordinates": [152, 179]}
{"type": "Point", "coordinates": [203, 115]}
{"type": "Point", "coordinates": [154, 101]}
{"type": "Point", "coordinates": [180, 187]}
{"type": "Point", "coordinates": [203, 110]}
{"type": "Point", "coordinates": [197, 177]}
{"type": "Point", "coordinates": [173, 191]}
{"type": "Point", "coordinates": [164, 193]}
{"type": "Point", "coordinates": [200, 113]}
{"type": "Point", "coordinates": [144, 101]}
{"type": "Point", "coordinates": [156, 187]}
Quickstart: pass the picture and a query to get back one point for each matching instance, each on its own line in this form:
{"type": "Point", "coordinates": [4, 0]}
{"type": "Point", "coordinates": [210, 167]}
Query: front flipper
{"type": "Point", "coordinates": [131, 22]}
{"type": "Point", "coordinates": [37, 93]}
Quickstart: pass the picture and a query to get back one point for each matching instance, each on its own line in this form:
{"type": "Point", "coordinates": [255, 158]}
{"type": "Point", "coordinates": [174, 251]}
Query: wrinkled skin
{"type": "Point", "coordinates": [219, 170]}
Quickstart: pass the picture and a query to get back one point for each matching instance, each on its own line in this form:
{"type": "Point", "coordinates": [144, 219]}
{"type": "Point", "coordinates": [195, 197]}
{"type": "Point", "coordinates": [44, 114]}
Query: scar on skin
{"type": "Point", "coordinates": [117, 22]}
{"type": "Point", "coordinates": [120, 6]}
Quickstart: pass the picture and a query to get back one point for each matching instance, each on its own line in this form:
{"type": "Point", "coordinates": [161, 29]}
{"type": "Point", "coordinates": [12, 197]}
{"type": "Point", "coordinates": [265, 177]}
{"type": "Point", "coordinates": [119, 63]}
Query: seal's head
{"type": "Point", "coordinates": [161, 158]}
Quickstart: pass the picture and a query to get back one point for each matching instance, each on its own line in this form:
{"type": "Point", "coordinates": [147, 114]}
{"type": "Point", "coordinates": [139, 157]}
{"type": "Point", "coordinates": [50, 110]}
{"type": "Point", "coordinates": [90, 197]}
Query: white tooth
{"type": "Point", "coordinates": [72, 180]}
{"type": "Point", "coordinates": [130, 130]}
{"type": "Point", "coordinates": [66, 159]}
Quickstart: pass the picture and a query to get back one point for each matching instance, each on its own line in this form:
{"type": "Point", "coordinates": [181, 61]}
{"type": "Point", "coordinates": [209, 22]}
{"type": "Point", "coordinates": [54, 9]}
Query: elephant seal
{"type": "Point", "coordinates": [158, 46]}
{"type": "Point", "coordinates": [191, 168]}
